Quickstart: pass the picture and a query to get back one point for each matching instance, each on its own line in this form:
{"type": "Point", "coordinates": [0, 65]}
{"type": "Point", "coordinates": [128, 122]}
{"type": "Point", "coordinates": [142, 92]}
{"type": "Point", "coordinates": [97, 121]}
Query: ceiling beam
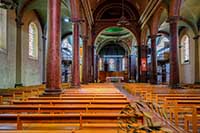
{"type": "Point", "coordinates": [88, 12]}
{"type": "Point", "coordinates": [149, 10]}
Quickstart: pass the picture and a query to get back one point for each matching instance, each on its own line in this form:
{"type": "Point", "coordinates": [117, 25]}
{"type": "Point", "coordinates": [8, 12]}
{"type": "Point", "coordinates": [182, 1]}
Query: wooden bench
{"type": "Point", "coordinates": [91, 95]}
{"type": "Point", "coordinates": [80, 118]}
{"type": "Point", "coordinates": [1, 99]}
{"type": "Point", "coordinates": [104, 108]}
{"type": "Point", "coordinates": [77, 98]}
{"type": "Point", "coordinates": [160, 97]}
{"type": "Point", "coordinates": [194, 118]}
{"type": "Point", "coordinates": [53, 102]}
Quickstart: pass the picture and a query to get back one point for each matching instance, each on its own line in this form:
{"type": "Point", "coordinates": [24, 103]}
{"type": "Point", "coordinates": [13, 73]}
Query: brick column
{"type": "Point", "coordinates": [85, 61]}
{"type": "Point", "coordinates": [18, 52]}
{"type": "Point", "coordinates": [143, 64]}
{"type": "Point", "coordinates": [174, 67]}
{"type": "Point", "coordinates": [76, 60]}
{"type": "Point", "coordinates": [53, 83]}
{"type": "Point", "coordinates": [90, 67]}
{"type": "Point", "coordinates": [197, 55]}
{"type": "Point", "coordinates": [153, 77]}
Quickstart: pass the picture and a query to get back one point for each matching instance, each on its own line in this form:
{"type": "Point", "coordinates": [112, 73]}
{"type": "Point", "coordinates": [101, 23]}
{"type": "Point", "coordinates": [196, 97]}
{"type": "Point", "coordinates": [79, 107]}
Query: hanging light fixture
{"type": "Point", "coordinates": [123, 21]}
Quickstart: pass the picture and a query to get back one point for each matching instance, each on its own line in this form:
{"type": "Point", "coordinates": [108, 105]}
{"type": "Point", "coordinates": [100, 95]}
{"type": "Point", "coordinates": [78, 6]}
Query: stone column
{"type": "Point", "coordinates": [85, 61]}
{"type": "Point", "coordinates": [153, 79]}
{"type": "Point", "coordinates": [174, 67]}
{"type": "Point", "coordinates": [197, 56]}
{"type": "Point", "coordinates": [18, 52]}
{"type": "Point", "coordinates": [75, 61]}
{"type": "Point", "coordinates": [53, 83]}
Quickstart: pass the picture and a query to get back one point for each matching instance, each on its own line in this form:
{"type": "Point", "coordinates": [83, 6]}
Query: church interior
{"type": "Point", "coordinates": [93, 66]}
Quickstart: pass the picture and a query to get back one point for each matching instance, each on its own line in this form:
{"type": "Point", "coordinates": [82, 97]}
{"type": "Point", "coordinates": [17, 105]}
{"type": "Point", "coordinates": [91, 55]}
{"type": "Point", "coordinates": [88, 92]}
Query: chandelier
{"type": "Point", "coordinates": [123, 21]}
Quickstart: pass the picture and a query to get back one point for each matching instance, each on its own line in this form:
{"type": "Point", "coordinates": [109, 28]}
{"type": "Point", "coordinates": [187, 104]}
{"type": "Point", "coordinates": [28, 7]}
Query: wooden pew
{"type": "Point", "coordinates": [1, 99]}
{"type": "Point", "coordinates": [159, 98]}
{"type": "Point", "coordinates": [79, 118]}
{"type": "Point", "coordinates": [194, 118]}
{"type": "Point", "coordinates": [53, 102]}
{"type": "Point", "coordinates": [104, 108]}
{"type": "Point", "coordinates": [7, 97]}
{"type": "Point", "coordinates": [77, 98]}
{"type": "Point", "coordinates": [91, 95]}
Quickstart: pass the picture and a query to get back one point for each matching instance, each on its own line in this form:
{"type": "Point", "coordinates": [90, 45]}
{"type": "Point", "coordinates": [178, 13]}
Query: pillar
{"type": "Point", "coordinates": [18, 52]}
{"type": "Point", "coordinates": [89, 50]}
{"type": "Point", "coordinates": [174, 67]}
{"type": "Point", "coordinates": [197, 56]}
{"type": "Point", "coordinates": [153, 79]}
{"type": "Point", "coordinates": [53, 74]}
{"type": "Point", "coordinates": [143, 64]}
{"type": "Point", "coordinates": [85, 61]}
{"type": "Point", "coordinates": [44, 59]}
{"type": "Point", "coordinates": [75, 61]}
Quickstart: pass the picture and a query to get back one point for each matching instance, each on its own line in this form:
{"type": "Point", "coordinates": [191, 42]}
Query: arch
{"type": "Point", "coordinates": [144, 35]}
{"type": "Point", "coordinates": [155, 20]}
{"type": "Point", "coordinates": [128, 7]}
{"type": "Point", "coordinates": [135, 33]}
{"type": "Point", "coordinates": [174, 7]}
{"type": "Point", "coordinates": [106, 42]}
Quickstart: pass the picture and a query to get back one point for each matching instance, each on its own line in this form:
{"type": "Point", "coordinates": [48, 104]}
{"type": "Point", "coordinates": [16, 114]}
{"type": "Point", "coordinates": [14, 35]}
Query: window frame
{"type": "Point", "coordinates": [183, 51]}
{"type": "Point", "coordinates": [35, 40]}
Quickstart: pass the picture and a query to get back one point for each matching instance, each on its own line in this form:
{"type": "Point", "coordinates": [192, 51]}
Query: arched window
{"type": "Point", "coordinates": [33, 41]}
{"type": "Point", "coordinates": [185, 48]}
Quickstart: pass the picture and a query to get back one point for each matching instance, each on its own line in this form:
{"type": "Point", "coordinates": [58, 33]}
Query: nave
{"type": "Point", "coordinates": [110, 108]}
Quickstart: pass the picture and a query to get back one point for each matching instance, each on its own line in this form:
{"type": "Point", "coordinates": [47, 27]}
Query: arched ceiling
{"type": "Point", "coordinates": [190, 10]}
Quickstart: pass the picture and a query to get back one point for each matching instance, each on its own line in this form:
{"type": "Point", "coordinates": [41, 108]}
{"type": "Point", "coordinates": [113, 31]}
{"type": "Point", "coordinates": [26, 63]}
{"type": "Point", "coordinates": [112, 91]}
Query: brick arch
{"type": "Point", "coordinates": [99, 29]}
{"type": "Point", "coordinates": [174, 7]}
{"type": "Point", "coordinates": [122, 44]}
{"type": "Point", "coordinates": [144, 35]}
{"type": "Point", "coordinates": [105, 4]}
{"type": "Point", "coordinates": [155, 20]}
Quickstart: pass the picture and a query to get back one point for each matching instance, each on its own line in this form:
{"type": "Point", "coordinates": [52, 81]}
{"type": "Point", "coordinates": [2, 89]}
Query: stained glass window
{"type": "Point", "coordinates": [33, 40]}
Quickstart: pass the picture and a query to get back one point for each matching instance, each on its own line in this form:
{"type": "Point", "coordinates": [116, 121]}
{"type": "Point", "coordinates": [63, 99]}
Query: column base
{"type": "Point", "coordinates": [197, 82]}
{"type": "Point", "coordinates": [175, 86]}
{"type": "Point", "coordinates": [75, 86]}
{"type": "Point", "coordinates": [85, 83]}
{"type": "Point", "coordinates": [18, 85]}
{"type": "Point", "coordinates": [51, 92]}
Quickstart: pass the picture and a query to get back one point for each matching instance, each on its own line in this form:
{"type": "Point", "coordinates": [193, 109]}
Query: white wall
{"type": "Point", "coordinates": [31, 68]}
{"type": "Point", "coordinates": [8, 57]}
{"type": "Point", "coordinates": [187, 71]}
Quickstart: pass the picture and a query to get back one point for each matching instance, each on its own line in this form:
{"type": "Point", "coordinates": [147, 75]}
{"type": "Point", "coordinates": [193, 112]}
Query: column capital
{"type": "Point", "coordinates": [153, 36]}
{"type": "Point", "coordinates": [18, 21]}
{"type": "Point", "coordinates": [196, 37]}
{"type": "Point", "coordinates": [77, 20]}
{"type": "Point", "coordinates": [173, 19]}
{"type": "Point", "coordinates": [84, 37]}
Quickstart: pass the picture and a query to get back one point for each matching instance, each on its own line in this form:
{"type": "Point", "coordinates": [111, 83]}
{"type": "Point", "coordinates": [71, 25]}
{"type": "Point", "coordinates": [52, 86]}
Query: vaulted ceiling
{"type": "Point", "coordinates": [142, 9]}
